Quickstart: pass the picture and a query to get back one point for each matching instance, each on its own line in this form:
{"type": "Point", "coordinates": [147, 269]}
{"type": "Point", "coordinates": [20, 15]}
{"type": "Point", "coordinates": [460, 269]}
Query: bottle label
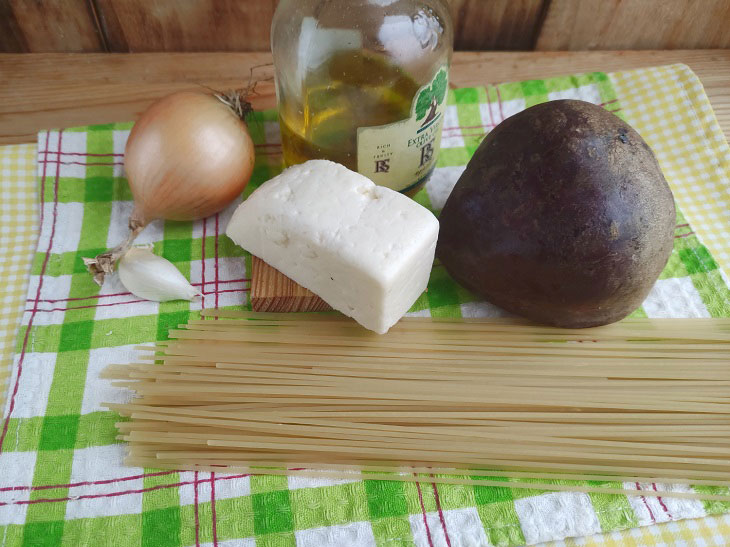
{"type": "Point", "coordinates": [401, 155]}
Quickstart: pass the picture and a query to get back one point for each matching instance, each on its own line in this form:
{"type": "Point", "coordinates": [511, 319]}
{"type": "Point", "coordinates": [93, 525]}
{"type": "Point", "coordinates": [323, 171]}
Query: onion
{"type": "Point", "coordinates": [188, 156]}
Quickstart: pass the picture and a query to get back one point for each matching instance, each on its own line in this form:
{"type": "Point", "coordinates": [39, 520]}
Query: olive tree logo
{"type": "Point", "coordinates": [430, 97]}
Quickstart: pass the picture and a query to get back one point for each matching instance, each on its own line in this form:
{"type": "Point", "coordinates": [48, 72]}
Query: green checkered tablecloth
{"type": "Point", "coordinates": [61, 477]}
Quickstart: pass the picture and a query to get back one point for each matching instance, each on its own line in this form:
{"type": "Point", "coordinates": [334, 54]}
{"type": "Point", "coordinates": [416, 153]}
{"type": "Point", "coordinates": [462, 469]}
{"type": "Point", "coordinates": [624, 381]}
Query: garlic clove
{"type": "Point", "coordinates": [152, 277]}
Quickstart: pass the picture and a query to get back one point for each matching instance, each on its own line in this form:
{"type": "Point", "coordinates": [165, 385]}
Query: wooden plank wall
{"type": "Point", "coordinates": [635, 24]}
{"type": "Point", "coordinates": [243, 25]}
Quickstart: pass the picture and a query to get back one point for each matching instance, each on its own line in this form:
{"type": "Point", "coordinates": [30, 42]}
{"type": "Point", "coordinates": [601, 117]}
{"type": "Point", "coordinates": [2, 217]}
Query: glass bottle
{"type": "Point", "coordinates": [363, 83]}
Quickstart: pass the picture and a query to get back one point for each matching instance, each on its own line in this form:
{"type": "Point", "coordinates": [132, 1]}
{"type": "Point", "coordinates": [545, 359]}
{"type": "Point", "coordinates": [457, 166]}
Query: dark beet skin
{"type": "Point", "coordinates": [562, 216]}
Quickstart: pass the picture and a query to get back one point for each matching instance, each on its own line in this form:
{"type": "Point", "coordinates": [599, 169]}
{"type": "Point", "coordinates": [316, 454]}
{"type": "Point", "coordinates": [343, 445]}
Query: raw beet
{"type": "Point", "coordinates": [562, 216]}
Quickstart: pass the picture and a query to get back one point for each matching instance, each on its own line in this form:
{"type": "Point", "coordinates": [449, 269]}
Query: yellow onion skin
{"type": "Point", "coordinates": [187, 157]}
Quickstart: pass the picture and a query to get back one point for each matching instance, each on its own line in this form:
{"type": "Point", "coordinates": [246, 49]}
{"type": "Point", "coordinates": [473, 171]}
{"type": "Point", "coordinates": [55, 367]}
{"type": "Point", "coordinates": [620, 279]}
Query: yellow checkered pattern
{"type": "Point", "coordinates": [704, 532]}
{"type": "Point", "coordinates": [19, 217]}
{"type": "Point", "coordinates": [668, 107]}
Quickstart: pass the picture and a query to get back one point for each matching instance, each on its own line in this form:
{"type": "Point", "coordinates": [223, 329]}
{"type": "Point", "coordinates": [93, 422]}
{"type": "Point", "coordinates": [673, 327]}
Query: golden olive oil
{"type": "Point", "coordinates": [353, 89]}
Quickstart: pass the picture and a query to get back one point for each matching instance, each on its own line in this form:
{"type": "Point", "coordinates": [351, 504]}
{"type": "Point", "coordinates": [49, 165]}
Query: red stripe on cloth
{"type": "Point", "coordinates": [441, 513]}
{"type": "Point", "coordinates": [684, 235]}
{"type": "Point", "coordinates": [661, 502]}
{"type": "Point", "coordinates": [202, 307]}
{"type": "Point", "coordinates": [195, 509]}
{"type": "Point", "coordinates": [423, 511]}
{"type": "Point", "coordinates": [96, 296]}
{"type": "Point", "coordinates": [38, 292]}
{"type": "Point", "coordinates": [216, 259]}
{"type": "Point", "coordinates": [646, 503]}
{"type": "Point", "coordinates": [214, 524]}
{"type": "Point", "coordinates": [117, 494]}
{"type": "Point", "coordinates": [90, 155]}
{"type": "Point", "coordinates": [460, 127]}
{"type": "Point", "coordinates": [224, 281]}
{"type": "Point", "coordinates": [608, 102]}
{"type": "Point", "coordinates": [86, 483]}
{"type": "Point", "coordinates": [61, 162]}
{"type": "Point", "coordinates": [54, 300]}
{"type": "Point", "coordinates": [85, 307]}
{"type": "Point", "coordinates": [202, 262]}
{"type": "Point", "coordinates": [499, 102]}
{"type": "Point", "coordinates": [491, 118]}
{"type": "Point", "coordinates": [244, 289]}
{"type": "Point", "coordinates": [681, 225]}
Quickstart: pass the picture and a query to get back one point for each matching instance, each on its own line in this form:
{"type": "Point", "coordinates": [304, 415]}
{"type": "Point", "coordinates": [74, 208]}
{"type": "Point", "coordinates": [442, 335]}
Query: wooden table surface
{"type": "Point", "coordinates": [40, 91]}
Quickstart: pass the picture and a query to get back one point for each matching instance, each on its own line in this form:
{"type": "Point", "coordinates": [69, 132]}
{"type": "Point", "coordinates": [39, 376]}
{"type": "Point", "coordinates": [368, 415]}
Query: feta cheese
{"type": "Point", "coordinates": [364, 249]}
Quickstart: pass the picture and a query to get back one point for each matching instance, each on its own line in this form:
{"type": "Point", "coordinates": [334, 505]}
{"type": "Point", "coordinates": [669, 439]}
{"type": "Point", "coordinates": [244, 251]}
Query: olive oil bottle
{"type": "Point", "coordinates": [363, 83]}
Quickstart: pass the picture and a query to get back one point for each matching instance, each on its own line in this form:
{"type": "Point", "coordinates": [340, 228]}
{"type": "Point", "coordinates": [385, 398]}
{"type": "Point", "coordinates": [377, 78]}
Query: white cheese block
{"type": "Point", "coordinates": [364, 249]}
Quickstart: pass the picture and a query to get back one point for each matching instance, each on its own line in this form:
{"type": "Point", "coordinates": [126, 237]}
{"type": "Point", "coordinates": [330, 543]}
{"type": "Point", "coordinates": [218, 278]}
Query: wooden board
{"type": "Point", "coordinates": [244, 25]}
{"type": "Point", "coordinates": [634, 24]}
{"type": "Point", "coordinates": [496, 25]}
{"type": "Point", "coordinates": [273, 291]}
{"type": "Point", "coordinates": [220, 25]}
{"type": "Point", "coordinates": [213, 25]}
{"type": "Point", "coordinates": [50, 25]}
{"type": "Point", "coordinates": [38, 91]}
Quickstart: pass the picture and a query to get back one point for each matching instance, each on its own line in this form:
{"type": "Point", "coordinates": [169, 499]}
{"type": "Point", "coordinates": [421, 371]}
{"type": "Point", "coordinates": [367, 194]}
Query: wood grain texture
{"type": "Point", "coordinates": [225, 25]}
{"type": "Point", "coordinates": [193, 25]}
{"type": "Point", "coordinates": [11, 35]}
{"type": "Point", "coordinates": [273, 291]}
{"type": "Point", "coordinates": [38, 91]}
{"type": "Point", "coordinates": [635, 24]}
{"type": "Point", "coordinates": [243, 25]}
{"type": "Point", "coordinates": [48, 25]}
{"type": "Point", "coordinates": [65, 90]}
{"type": "Point", "coordinates": [497, 24]}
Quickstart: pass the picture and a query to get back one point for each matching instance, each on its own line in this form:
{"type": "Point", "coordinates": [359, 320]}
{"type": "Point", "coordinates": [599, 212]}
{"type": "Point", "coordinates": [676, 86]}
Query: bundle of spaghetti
{"type": "Point", "coordinates": [485, 402]}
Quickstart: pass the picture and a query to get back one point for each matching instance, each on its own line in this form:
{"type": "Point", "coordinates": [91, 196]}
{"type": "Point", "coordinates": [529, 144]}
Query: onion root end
{"type": "Point", "coordinates": [236, 101]}
{"type": "Point", "coordinates": [103, 264]}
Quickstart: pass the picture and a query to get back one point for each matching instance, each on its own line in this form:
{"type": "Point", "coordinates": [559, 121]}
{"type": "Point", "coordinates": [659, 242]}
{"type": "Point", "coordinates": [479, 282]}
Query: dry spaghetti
{"type": "Point", "coordinates": [492, 402]}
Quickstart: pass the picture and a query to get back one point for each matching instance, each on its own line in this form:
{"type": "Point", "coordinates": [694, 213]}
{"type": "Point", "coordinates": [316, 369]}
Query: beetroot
{"type": "Point", "coordinates": [562, 216]}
